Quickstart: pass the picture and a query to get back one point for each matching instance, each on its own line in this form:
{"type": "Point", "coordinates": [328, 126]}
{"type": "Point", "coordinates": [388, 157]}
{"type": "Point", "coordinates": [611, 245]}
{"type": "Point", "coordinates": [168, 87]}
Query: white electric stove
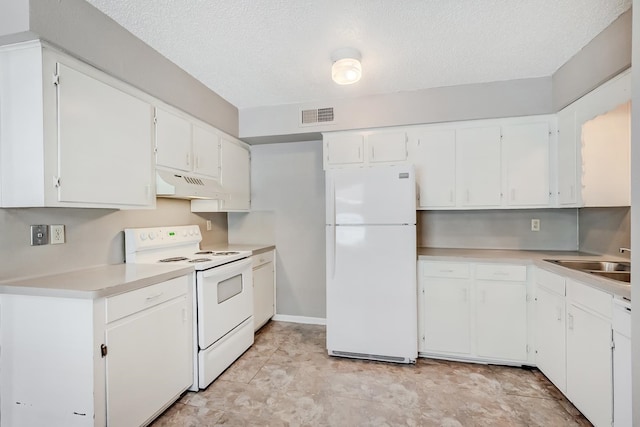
{"type": "Point", "coordinates": [222, 289]}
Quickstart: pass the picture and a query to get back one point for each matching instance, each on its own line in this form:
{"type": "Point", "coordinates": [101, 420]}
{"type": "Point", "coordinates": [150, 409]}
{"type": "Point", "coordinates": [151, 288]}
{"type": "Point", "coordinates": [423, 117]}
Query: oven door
{"type": "Point", "coordinates": [224, 300]}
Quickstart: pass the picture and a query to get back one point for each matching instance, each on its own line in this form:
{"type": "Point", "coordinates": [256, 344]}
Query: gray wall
{"type": "Point", "coordinates": [606, 55]}
{"type": "Point", "coordinates": [94, 236]}
{"type": "Point", "coordinates": [464, 102]}
{"type": "Point", "coordinates": [499, 229]}
{"type": "Point", "coordinates": [287, 194]}
{"type": "Point", "coordinates": [85, 32]}
{"type": "Point", "coordinates": [604, 230]}
{"type": "Point", "coordinates": [635, 211]}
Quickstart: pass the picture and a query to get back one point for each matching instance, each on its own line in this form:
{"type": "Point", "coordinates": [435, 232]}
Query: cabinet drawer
{"type": "Point", "coordinates": [502, 272]}
{"type": "Point", "coordinates": [590, 298]}
{"type": "Point", "coordinates": [260, 259]}
{"type": "Point", "coordinates": [551, 281]}
{"type": "Point", "coordinates": [454, 270]}
{"type": "Point", "coordinates": [123, 305]}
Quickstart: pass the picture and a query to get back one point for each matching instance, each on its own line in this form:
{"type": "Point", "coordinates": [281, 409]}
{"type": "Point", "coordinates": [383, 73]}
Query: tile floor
{"type": "Point", "coordinates": [287, 379]}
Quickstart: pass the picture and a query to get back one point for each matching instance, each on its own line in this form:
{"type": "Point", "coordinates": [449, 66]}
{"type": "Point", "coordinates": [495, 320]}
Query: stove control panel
{"type": "Point", "coordinates": [137, 239]}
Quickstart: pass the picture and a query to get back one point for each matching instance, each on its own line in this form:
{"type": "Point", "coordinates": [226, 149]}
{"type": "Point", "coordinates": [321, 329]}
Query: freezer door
{"type": "Point", "coordinates": [371, 291]}
{"type": "Point", "coordinates": [372, 195]}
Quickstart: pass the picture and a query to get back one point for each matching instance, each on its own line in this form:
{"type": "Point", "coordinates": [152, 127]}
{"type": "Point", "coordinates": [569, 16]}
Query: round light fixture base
{"type": "Point", "coordinates": [346, 68]}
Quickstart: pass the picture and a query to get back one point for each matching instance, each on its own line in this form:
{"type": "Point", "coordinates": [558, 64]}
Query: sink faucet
{"type": "Point", "coordinates": [623, 250]}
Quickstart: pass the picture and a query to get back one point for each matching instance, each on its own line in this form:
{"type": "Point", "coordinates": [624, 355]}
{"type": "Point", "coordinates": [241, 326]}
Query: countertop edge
{"type": "Point", "coordinates": [535, 258]}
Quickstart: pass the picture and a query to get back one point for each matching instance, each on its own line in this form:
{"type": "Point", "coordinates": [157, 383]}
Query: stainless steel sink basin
{"type": "Point", "coordinates": [593, 265]}
{"type": "Point", "coordinates": [622, 276]}
{"type": "Point", "coordinates": [616, 270]}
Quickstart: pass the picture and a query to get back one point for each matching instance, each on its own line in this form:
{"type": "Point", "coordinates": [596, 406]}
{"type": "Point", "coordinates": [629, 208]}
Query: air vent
{"type": "Point", "coordinates": [316, 116]}
{"type": "Point", "coordinates": [190, 180]}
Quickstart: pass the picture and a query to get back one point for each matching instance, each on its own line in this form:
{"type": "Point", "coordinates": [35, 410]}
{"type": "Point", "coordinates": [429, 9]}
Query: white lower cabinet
{"type": "Point", "coordinates": [550, 324]}
{"type": "Point", "coordinates": [115, 361]}
{"type": "Point", "coordinates": [589, 353]}
{"type": "Point", "coordinates": [473, 311]}
{"type": "Point", "coordinates": [263, 288]}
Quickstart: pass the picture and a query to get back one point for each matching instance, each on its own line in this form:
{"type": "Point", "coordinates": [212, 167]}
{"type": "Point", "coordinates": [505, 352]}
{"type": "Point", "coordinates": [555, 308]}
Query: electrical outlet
{"type": "Point", "coordinates": [39, 235]}
{"type": "Point", "coordinates": [535, 225]}
{"type": "Point", "coordinates": [208, 225]}
{"type": "Point", "coordinates": [57, 234]}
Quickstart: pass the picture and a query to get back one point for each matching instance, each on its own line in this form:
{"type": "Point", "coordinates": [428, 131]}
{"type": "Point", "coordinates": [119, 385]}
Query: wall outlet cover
{"type": "Point", "coordinates": [535, 225]}
{"type": "Point", "coordinates": [56, 233]}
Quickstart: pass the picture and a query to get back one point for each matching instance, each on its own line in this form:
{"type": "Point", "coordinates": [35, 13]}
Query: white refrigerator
{"type": "Point", "coordinates": [371, 263]}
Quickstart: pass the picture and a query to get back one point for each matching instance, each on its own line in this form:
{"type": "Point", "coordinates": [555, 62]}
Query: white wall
{"type": "Point", "coordinates": [287, 193]}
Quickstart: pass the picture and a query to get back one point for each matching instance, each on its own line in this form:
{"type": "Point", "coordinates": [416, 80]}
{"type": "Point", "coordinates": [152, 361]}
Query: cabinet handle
{"type": "Point", "coordinates": [188, 159]}
{"type": "Point", "coordinates": [446, 271]}
{"type": "Point", "coordinates": [559, 314]}
{"type": "Point", "coordinates": [359, 153]}
{"type": "Point", "coordinates": [152, 297]}
{"type": "Point", "coordinates": [373, 152]}
{"type": "Point", "coordinates": [570, 322]}
{"type": "Point", "coordinates": [184, 315]}
{"type": "Point", "coordinates": [197, 158]}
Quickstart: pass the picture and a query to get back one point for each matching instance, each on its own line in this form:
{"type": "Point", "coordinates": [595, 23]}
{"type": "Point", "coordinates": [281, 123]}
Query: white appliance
{"type": "Point", "coordinates": [371, 263]}
{"type": "Point", "coordinates": [222, 289]}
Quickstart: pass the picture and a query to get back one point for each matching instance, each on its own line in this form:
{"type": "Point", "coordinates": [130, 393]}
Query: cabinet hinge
{"type": "Point", "coordinates": [56, 182]}
{"type": "Point", "coordinates": [528, 348]}
{"type": "Point", "coordinates": [613, 344]}
{"type": "Point", "coordinates": [103, 350]}
{"type": "Point", "coordinates": [424, 338]}
{"type": "Point", "coordinates": [155, 120]}
{"type": "Point", "coordinates": [56, 79]}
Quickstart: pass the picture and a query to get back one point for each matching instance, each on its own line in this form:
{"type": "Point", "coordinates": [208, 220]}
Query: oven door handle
{"type": "Point", "coordinates": [232, 268]}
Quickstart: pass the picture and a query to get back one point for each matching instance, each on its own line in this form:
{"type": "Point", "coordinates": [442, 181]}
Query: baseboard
{"type": "Point", "coordinates": [299, 319]}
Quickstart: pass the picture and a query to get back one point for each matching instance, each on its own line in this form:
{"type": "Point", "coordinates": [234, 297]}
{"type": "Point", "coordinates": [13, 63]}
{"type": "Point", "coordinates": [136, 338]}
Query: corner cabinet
{"type": "Point", "coordinates": [474, 311]}
{"type": "Point", "coordinates": [263, 288]}
{"type": "Point", "coordinates": [119, 361]}
{"type": "Point", "coordinates": [71, 135]}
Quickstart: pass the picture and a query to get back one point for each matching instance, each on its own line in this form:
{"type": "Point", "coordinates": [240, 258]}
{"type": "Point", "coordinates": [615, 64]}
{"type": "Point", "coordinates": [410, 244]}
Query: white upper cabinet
{"type": "Point", "coordinates": [182, 144]}
{"type": "Point", "coordinates": [435, 152]}
{"type": "Point", "coordinates": [235, 178]}
{"type": "Point", "coordinates": [478, 167]}
{"type": "Point", "coordinates": [525, 149]}
{"type": "Point", "coordinates": [206, 151]}
{"type": "Point", "coordinates": [349, 149]}
{"type": "Point", "coordinates": [173, 141]}
{"type": "Point", "coordinates": [594, 147]}
{"type": "Point", "coordinates": [71, 135]}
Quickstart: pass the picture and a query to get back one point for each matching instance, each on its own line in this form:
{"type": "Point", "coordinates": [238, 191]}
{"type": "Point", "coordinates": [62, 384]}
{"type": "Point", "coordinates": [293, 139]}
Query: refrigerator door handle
{"type": "Point", "coordinates": [333, 261]}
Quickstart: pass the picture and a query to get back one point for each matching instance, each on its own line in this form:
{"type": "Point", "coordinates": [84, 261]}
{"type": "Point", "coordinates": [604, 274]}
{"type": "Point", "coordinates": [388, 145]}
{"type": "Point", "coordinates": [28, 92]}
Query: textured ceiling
{"type": "Point", "coordinates": [270, 52]}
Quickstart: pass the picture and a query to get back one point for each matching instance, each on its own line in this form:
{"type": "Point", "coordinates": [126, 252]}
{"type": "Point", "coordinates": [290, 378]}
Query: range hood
{"type": "Point", "coordinates": [180, 186]}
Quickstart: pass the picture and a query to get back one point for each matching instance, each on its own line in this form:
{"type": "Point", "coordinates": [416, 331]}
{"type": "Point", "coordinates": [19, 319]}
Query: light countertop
{"type": "Point", "coordinates": [94, 282]}
{"type": "Point", "coordinates": [536, 258]}
{"type": "Point", "coordinates": [254, 248]}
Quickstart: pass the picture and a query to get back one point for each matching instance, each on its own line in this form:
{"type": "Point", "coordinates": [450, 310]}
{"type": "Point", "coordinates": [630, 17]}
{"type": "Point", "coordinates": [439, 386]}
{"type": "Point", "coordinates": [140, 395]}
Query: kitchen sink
{"type": "Point", "coordinates": [622, 276]}
{"type": "Point", "coordinates": [616, 270]}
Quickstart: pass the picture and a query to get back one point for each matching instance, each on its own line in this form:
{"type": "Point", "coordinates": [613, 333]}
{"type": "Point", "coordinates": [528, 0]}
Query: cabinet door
{"type": "Point", "coordinates": [104, 143]}
{"type": "Point", "coordinates": [387, 147]}
{"type": "Point", "coordinates": [550, 337]}
{"type": "Point", "coordinates": [343, 149]}
{"type": "Point", "coordinates": [149, 361]}
{"type": "Point", "coordinates": [263, 293]}
{"type": "Point", "coordinates": [567, 157]}
{"type": "Point", "coordinates": [478, 167]}
{"type": "Point", "coordinates": [447, 320]}
{"type": "Point", "coordinates": [435, 163]}
{"type": "Point", "coordinates": [235, 175]}
{"type": "Point", "coordinates": [173, 141]}
{"type": "Point", "coordinates": [501, 320]}
{"type": "Point", "coordinates": [206, 152]}
{"type": "Point", "coordinates": [525, 149]}
{"type": "Point", "coordinates": [589, 377]}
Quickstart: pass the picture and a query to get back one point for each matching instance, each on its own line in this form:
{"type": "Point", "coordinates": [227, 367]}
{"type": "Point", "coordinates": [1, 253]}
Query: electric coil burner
{"type": "Point", "coordinates": [222, 293]}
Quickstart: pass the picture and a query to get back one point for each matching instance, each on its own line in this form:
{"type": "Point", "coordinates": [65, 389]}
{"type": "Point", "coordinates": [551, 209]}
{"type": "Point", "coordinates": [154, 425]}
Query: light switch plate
{"type": "Point", "coordinates": [535, 225]}
{"type": "Point", "coordinates": [39, 235]}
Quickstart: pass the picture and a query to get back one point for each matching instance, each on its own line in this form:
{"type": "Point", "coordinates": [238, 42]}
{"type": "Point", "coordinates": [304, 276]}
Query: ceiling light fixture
{"type": "Point", "coordinates": [346, 68]}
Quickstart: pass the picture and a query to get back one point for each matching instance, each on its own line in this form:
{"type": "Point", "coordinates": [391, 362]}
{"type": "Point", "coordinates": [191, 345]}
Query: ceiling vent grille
{"type": "Point", "coordinates": [316, 116]}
